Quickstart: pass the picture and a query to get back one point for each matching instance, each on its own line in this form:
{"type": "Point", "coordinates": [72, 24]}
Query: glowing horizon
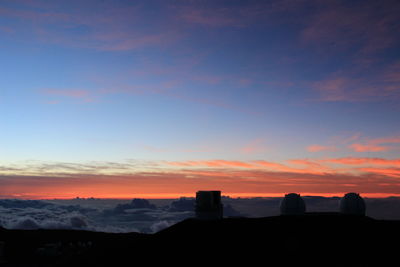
{"type": "Point", "coordinates": [193, 195]}
{"type": "Point", "coordinates": [324, 177]}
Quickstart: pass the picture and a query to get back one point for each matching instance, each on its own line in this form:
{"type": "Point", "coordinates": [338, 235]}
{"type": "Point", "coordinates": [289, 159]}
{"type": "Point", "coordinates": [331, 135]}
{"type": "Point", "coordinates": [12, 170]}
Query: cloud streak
{"type": "Point", "coordinates": [341, 25]}
{"type": "Point", "coordinates": [376, 145]}
{"type": "Point", "coordinates": [84, 95]}
{"type": "Point", "coordinates": [357, 144]}
{"type": "Point", "coordinates": [176, 178]}
{"type": "Point", "coordinates": [185, 182]}
{"type": "Point", "coordinates": [362, 161]}
{"type": "Point", "coordinates": [319, 148]}
{"type": "Point", "coordinates": [368, 148]}
{"type": "Point", "coordinates": [100, 26]}
{"type": "Point", "coordinates": [359, 85]}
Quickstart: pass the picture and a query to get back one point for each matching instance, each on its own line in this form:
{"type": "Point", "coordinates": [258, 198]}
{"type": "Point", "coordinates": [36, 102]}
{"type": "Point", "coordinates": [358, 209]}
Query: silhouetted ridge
{"type": "Point", "coordinates": [333, 239]}
{"type": "Point", "coordinates": [343, 238]}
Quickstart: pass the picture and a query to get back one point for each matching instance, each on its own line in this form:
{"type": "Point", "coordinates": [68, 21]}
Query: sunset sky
{"type": "Point", "coordinates": [163, 98]}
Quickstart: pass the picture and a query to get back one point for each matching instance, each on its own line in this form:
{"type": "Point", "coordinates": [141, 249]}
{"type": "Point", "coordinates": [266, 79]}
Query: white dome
{"type": "Point", "coordinates": [293, 204]}
{"type": "Point", "coordinates": [352, 203]}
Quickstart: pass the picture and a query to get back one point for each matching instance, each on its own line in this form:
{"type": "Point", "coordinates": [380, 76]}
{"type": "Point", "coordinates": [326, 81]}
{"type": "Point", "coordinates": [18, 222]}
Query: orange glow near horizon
{"type": "Point", "coordinates": [192, 195]}
{"type": "Point", "coordinates": [178, 185]}
{"type": "Point", "coordinates": [375, 177]}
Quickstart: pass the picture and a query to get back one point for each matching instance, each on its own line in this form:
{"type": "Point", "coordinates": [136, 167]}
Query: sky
{"type": "Point", "coordinates": [121, 99]}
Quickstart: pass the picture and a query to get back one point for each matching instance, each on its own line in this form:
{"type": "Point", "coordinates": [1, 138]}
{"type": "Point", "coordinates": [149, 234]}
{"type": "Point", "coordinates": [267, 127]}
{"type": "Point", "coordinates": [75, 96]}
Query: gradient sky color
{"type": "Point", "coordinates": [164, 98]}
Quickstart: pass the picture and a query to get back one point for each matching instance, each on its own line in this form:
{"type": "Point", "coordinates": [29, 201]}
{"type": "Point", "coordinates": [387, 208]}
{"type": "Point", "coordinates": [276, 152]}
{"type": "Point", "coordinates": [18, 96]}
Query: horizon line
{"type": "Point", "coordinates": [193, 195]}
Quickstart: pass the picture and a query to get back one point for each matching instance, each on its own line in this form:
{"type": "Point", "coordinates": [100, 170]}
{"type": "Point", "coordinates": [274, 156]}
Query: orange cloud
{"type": "Point", "coordinates": [187, 182]}
{"type": "Point", "coordinates": [253, 147]}
{"type": "Point", "coordinates": [391, 172]}
{"type": "Point", "coordinates": [361, 161]}
{"type": "Point", "coordinates": [306, 162]}
{"type": "Point", "coordinates": [368, 148]}
{"type": "Point", "coordinates": [375, 145]}
{"type": "Point", "coordinates": [256, 164]}
{"type": "Point", "coordinates": [211, 163]}
{"type": "Point", "coordinates": [278, 167]}
{"type": "Point", "coordinates": [318, 148]}
{"type": "Point", "coordinates": [259, 177]}
{"type": "Point", "coordinates": [272, 165]}
{"type": "Point", "coordinates": [385, 140]}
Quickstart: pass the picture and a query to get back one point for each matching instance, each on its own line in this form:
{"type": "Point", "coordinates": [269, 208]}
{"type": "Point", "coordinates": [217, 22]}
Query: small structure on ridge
{"type": "Point", "coordinates": [208, 205]}
{"type": "Point", "coordinates": [292, 204]}
{"type": "Point", "coordinates": [353, 204]}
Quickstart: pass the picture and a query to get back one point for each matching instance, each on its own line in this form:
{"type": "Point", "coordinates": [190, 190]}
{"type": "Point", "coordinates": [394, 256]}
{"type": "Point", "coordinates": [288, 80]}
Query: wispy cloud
{"type": "Point", "coordinates": [390, 172]}
{"type": "Point", "coordinates": [368, 148]}
{"type": "Point", "coordinates": [358, 143]}
{"type": "Point", "coordinates": [254, 164]}
{"type": "Point", "coordinates": [319, 148]}
{"type": "Point", "coordinates": [339, 25]}
{"type": "Point", "coordinates": [79, 94]}
{"type": "Point", "coordinates": [363, 161]}
{"type": "Point", "coordinates": [112, 179]}
{"type": "Point", "coordinates": [188, 181]}
{"type": "Point", "coordinates": [376, 145]}
{"type": "Point", "coordinates": [6, 29]}
{"type": "Point", "coordinates": [214, 17]}
{"type": "Point", "coordinates": [178, 88]}
{"type": "Point", "coordinates": [340, 29]}
{"type": "Point", "coordinates": [115, 28]}
{"type": "Point", "coordinates": [335, 89]}
{"type": "Point", "coordinates": [212, 163]}
{"type": "Point", "coordinates": [217, 14]}
{"type": "Point", "coordinates": [343, 88]}
{"type": "Point", "coordinates": [254, 147]}
{"type": "Point", "coordinates": [306, 162]}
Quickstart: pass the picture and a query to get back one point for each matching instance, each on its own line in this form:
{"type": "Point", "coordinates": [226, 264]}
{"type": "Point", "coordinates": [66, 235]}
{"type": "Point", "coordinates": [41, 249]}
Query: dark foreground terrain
{"type": "Point", "coordinates": [314, 239]}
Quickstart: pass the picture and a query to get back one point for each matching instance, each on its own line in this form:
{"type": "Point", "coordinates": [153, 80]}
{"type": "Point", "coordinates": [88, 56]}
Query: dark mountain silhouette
{"type": "Point", "coordinates": [312, 239]}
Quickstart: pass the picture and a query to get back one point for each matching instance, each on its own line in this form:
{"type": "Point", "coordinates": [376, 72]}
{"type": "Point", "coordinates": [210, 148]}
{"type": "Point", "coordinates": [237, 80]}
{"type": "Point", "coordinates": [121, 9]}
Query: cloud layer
{"type": "Point", "coordinates": [112, 215]}
{"type": "Point", "coordinates": [138, 215]}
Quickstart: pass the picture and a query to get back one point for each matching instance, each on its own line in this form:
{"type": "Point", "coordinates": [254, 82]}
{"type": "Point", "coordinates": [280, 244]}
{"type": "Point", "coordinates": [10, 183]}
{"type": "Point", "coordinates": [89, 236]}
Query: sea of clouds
{"type": "Point", "coordinates": [150, 216]}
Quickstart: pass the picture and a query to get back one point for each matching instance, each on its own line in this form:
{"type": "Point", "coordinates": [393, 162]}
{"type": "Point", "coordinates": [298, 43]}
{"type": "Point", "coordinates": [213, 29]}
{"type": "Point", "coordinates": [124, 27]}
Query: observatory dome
{"type": "Point", "coordinates": [352, 203]}
{"type": "Point", "coordinates": [208, 205]}
{"type": "Point", "coordinates": [292, 204]}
